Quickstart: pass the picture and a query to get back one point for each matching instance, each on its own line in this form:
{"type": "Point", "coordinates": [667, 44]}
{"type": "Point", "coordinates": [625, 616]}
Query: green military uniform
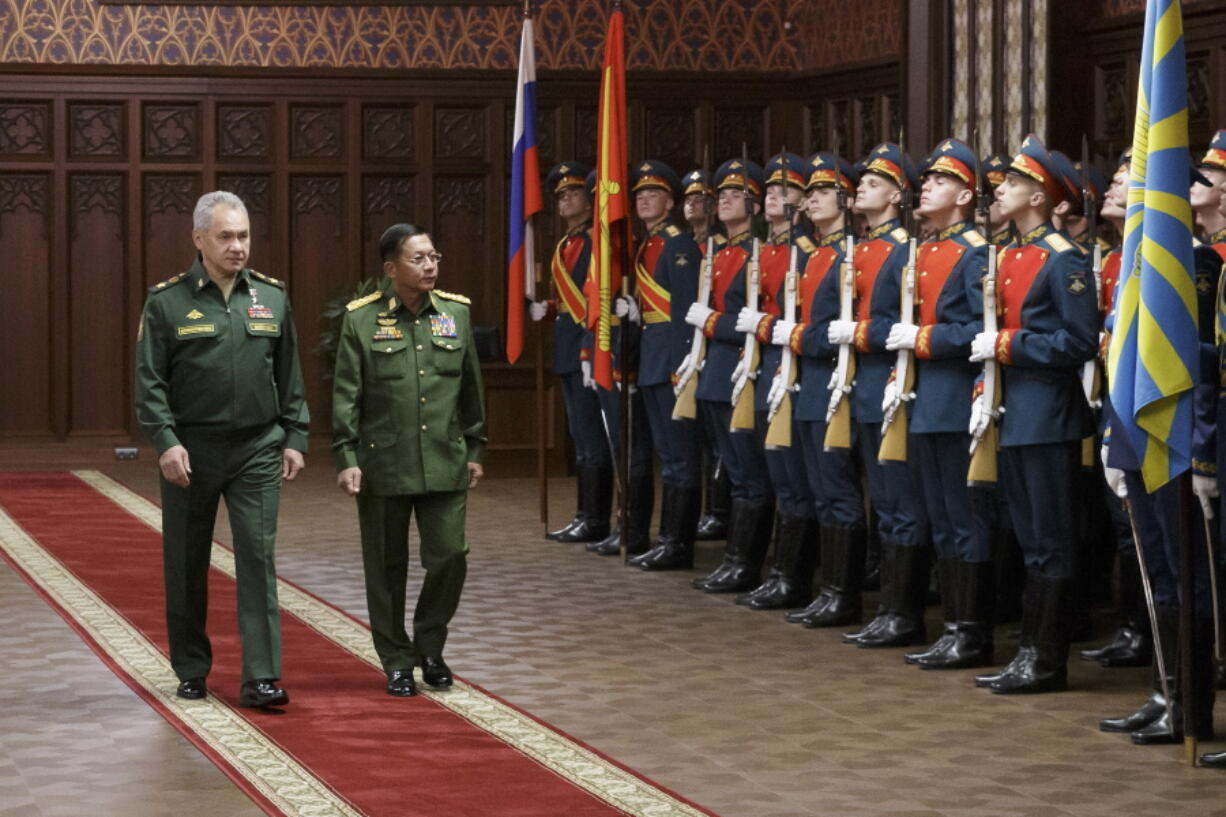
{"type": "Point", "coordinates": [223, 380]}
{"type": "Point", "coordinates": [408, 409]}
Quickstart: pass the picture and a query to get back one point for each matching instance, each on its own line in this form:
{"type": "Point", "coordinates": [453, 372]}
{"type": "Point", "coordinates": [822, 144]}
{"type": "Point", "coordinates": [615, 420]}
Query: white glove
{"type": "Point", "coordinates": [625, 307]}
{"type": "Point", "coordinates": [585, 367]}
{"type": "Point", "coordinates": [739, 371]}
{"type": "Point", "coordinates": [889, 395]}
{"type": "Point", "coordinates": [841, 332]}
{"type": "Point", "coordinates": [747, 320]}
{"type": "Point", "coordinates": [979, 417]}
{"type": "Point", "coordinates": [902, 336]}
{"type": "Point", "coordinates": [1206, 491]}
{"type": "Point", "coordinates": [697, 314]}
{"type": "Point", "coordinates": [781, 335]}
{"type": "Point", "coordinates": [537, 310]}
{"type": "Point", "coordinates": [1114, 476]}
{"type": "Point", "coordinates": [774, 397]}
{"type": "Point", "coordinates": [983, 347]}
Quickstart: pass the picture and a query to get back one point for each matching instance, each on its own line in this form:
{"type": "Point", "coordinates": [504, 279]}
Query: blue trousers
{"type": "Point", "coordinates": [1156, 520]}
{"type": "Point", "coordinates": [584, 423]}
{"type": "Point", "coordinates": [640, 431]}
{"type": "Point", "coordinates": [939, 463]}
{"type": "Point", "coordinates": [785, 468]}
{"type": "Point", "coordinates": [1038, 487]}
{"type": "Point", "coordinates": [832, 477]}
{"type": "Point", "coordinates": [677, 442]}
{"type": "Point", "coordinates": [900, 517]}
{"type": "Point", "coordinates": [740, 454]}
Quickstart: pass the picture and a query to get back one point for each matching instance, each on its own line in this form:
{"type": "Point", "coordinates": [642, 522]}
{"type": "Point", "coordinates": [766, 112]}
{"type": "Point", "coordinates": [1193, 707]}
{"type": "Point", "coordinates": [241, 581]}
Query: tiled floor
{"type": "Point", "coordinates": [737, 710]}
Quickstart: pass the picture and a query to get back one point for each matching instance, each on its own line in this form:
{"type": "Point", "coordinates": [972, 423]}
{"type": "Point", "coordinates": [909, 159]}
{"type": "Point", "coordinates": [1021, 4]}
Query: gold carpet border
{"type": "Point", "coordinates": [286, 784]}
{"type": "Point", "coordinates": [568, 760]}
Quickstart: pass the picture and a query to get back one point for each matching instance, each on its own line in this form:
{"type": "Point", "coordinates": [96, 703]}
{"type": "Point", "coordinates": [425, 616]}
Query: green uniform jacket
{"type": "Point", "coordinates": [211, 367]}
{"type": "Point", "coordinates": [408, 407]}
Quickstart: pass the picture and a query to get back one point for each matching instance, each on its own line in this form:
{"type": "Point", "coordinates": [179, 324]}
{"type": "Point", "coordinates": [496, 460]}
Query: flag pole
{"type": "Point", "coordinates": [1188, 654]}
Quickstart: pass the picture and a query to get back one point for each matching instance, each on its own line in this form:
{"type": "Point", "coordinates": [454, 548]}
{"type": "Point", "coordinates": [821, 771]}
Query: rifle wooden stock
{"type": "Point", "coordinates": [779, 432]}
{"type": "Point", "coordinates": [686, 405]}
{"type": "Point", "coordinates": [742, 389]}
{"type": "Point", "coordinates": [779, 429]}
{"type": "Point", "coordinates": [982, 470]}
{"type": "Point", "coordinates": [838, 424]}
{"type": "Point", "coordinates": [894, 433]}
{"type": "Point", "coordinates": [838, 429]}
{"type": "Point", "coordinates": [742, 409]}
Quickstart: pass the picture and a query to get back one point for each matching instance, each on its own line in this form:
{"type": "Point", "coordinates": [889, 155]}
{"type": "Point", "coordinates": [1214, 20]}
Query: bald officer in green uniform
{"type": "Point", "coordinates": [219, 392]}
{"type": "Point", "coordinates": [408, 434]}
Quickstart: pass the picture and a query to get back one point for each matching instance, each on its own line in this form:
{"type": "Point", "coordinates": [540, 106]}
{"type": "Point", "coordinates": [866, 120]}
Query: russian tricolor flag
{"type": "Point", "coordinates": [526, 198]}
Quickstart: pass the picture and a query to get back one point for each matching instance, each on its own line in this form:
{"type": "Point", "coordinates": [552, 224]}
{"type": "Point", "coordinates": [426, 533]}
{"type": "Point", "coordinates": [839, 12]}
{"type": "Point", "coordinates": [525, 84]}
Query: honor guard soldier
{"type": "Point", "coordinates": [833, 479]}
{"type": "Point", "coordinates": [888, 177]}
{"type": "Point", "coordinates": [1049, 328]}
{"type": "Point", "coordinates": [950, 268]}
{"type": "Point", "coordinates": [1207, 207]}
{"type": "Point", "coordinates": [666, 275]}
{"type": "Point", "coordinates": [571, 356]}
{"type": "Point", "coordinates": [740, 186]}
{"type": "Point", "coordinates": [219, 393]}
{"type": "Point", "coordinates": [1132, 644]}
{"type": "Point", "coordinates": [790, 581]}
{"type": "Point", "coordinates": [697, 207]}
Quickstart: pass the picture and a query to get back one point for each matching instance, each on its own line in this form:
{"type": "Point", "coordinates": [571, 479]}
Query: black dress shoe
{"type": "Point", "coordinates": [1149, 712]}
{"type": "Point", "coordinates": [193, 689]}
{"type": "Point", "coordinates": [1213, 760]}
{"type": "Point", "coordinates": [1162, 731]}
{"type": "Point", "coordinates": [815, 607]}
{"type": "Point", "coordinates": [436, 673]}
{"type": "Point", "coordinates": [261, 692]}
{"type": "Point", "coordinates": [400, 683]}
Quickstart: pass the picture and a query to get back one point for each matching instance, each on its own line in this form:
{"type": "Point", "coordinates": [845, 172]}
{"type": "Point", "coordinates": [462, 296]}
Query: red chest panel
{"type": "Point", "coordinates": [1220, 249]}
{"type": "Point", "coordinates": [934, 262]}
{"type": "Point", "coordinates": [649, 253]}
{"type": "Point", "coordinates": [870, 256]}
{"type": "Point", "coordinates": [571, 252]}
{"type": "Point", "coordinates": [772, 269]}
{"type": "Point", "coordinates": [728, 263]}
{"type": "Point", "coordinates": [1110, 276]}
{"type": "Point", "coordinates": [819, 264]}
{"type": "Point", "coordinates": [1015, 274]}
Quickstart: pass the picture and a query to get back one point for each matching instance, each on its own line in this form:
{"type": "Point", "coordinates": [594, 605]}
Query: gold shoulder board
{"type": "Point", "coordinates": [363, 301]}
{"type": "Point", "coordinates": [268, 279]}
{"type": "Point", "coordinates": [672, 231]}
{"type": "Point", "coordinates": [805, 244]}
{"type": "Point", "coordinates": [720, 239]}
{"type": "Point", "coordinates": [974, 238]}
{"type": "Point", "coordinates": [1059, 243]}
{"type": "Point", "coordinates": [451, 296]}
{"type": "Point", "coordinates": [169, 282]}
{"type": "Point", "coordinates": [900, 235]}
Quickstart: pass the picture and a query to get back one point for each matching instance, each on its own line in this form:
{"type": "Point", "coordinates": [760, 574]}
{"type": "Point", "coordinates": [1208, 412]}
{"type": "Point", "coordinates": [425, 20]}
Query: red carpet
{"type": "Point", "coordinates": [363, 752]}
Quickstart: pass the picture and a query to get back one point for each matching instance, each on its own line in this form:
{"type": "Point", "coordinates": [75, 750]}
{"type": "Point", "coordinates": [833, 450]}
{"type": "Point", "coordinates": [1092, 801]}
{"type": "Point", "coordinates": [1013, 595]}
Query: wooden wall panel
{"type": "Point", "coordinates": [101, 333]}
{"type": "Point", "coordinates": [25, 356]}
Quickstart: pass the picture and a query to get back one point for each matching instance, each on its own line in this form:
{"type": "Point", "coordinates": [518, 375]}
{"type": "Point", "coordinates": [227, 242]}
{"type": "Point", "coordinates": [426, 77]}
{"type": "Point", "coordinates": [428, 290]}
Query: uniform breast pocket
{"type": "Point", "coordinates": [390, 359]}
{"type": "Point", "coordinates": [448, 355]}
{"type": "Point", "coordinates": [264, 329]}
{"type": "Point", "coordinates": [196, 331]}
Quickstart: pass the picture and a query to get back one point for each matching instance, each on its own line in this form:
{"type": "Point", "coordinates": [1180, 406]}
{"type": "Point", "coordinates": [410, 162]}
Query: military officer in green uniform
{"type": "Point", "coordinates": [408, 425]}
{"type": "Point", "coordinates": [219, 392]}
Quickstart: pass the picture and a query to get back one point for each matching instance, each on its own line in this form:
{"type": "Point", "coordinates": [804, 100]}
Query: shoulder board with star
{"type": "Point", "coordinates": [1058, 242]}
{"type": "Point", "coordinates": [358, 303]}
{"type": "Point", "coordinates": [974, 238]}
{"type": "Point", "coordinates": [672, 231]}
{"type": "Point", "coordinates": [900, 235]}
{"type": "Point", "coordinates": [168, 283]}
{"type": "Point", "coordinates": [268, 279]}
{"type": "Point", "coordinates": [805, 244]}
{"type": "Point", "coordinates": [451, 296]}
{"type": "Point", "coordinates": [720, 239]}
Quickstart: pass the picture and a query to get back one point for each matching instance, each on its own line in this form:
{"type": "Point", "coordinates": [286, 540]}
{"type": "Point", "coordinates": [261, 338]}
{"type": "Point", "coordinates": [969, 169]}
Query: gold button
{"type": "Point", "coordinates": [372, 445]}
{"type": "Point", "coordinates": [423, 399]}
{"type": "Point", "coordinates": [389, 348]}
{"type": "Point", "coordinates": [421, 371]}
{"type": "Point", "coordinates": [419, 347]}
{"type": "Point", "coordinates": [417, 323]}
{"type": "Point", "coordinates": [1006, 310]}
{"type": "Point", "coordinates": [423, 428]}
{"type": "Point", "coordinates": [1018, 256]}
{"type": "Point", "coordinates": [923, 275]}
{"type": "Point", "coordinates": [1008, 281]}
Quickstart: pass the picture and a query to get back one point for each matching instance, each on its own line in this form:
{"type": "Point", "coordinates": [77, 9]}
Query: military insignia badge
{"type": "Point", "coordinates": [1077, 283]}
{"type": "Point", "coordinates": [681, 260]}
{"type": "Point", "coordinates": [1203, 285]}
{"type": "Point", "coordinates": [442, 326]}
{"type": "Point", "coordinates": [259, 311]}
{"type": "Point", "coordinates": [195, 314]}
{"type": "Point", "coordinates": [389, 333]}
{"type": "Point", "coordinates": [386, 321]}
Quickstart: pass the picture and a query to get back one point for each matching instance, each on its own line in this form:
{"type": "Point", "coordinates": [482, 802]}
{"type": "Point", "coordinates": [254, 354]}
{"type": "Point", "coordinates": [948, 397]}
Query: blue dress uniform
{"type": "Point", "coordinates": [571, 342]}
{"type": "Point", "coordinates": [790, 581]}
{"type": "Point", "coordinates": [879, 263]}
{"type": "Point", "coordinates": [949, 312]}
{"type": "Point", "coordinates": [666, 279]}
{"type": "Point", "coordinates": [752, 513]}
{"type": "Point", "coordinates": [1049, 318]}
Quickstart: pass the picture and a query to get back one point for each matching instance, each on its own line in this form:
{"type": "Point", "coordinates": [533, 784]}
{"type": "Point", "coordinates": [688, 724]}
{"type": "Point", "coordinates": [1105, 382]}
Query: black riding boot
{"type": "Point", "coordinates": [1168, 728]}
{"type": "Point", "coordinates": [1155, 706]}
{"type": "Point", "coordinates": [714, 523]}
{"type": "Point", "coordinates": [638, 528]}
{"type": "Point", "coordinates": [903, 597]}
{"type": "Point", "coordinates": [748, 540]}
{"type": "Point", "coordinates": [1047, 671]}
{"type": "Point", "coordinates": [796, 554]}
{"type": "Point", "coordinates": [1025, 646]}
{"type": "Point", "coordinates": [947, 572]}
{"type": "Point", "coordinates": [842, 571]}
{"type": "Point", "coordinates": [1132, 644]}
{"type": "Point", "coordinates": [595, 502]}
{"type": "Point", "coordinates": [972, 636]}
{"type": "Point", "coordinates": [740, 508]}
{"type": "Point", "coordinates": [674, 549]}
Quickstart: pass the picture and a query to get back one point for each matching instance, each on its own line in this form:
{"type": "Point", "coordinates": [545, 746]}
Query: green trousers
{"type": "Point", "coordinates": [245, 469]}
{"type": "Point", "coordinates": [384, 521]}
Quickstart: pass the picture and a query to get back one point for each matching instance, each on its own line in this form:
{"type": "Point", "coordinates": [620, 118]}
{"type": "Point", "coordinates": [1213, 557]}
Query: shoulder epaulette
{"type": "Point", "coordinates": [672, 231]}
{"type": "Point", "coordinates": [1058, 242]}
{"type": "Point", "coordinates": [1196, 242]}
{"type": "Point", "coordinates": [900, 235]}
{"type": "Point", "coordinates": [268, 279]}
{"type": "Point", "coordinates": [974, 238]}
{"type": "Point", "coordinates": [363, 301]}
{"type": "Point", "coordinates": [451, 296]}
{"type": "Point", "coordinates": [805, 244]}
{"type": "Point", "coordinates": [169, 282]}
{"type": "Point", "coordinates": [720, 239]}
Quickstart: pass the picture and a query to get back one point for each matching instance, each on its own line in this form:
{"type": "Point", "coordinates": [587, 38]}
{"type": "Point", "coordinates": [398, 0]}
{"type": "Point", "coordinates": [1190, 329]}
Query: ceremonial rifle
{"type": "Point", "coordinates": [894, 426]}
{"type": "Point", "coordinates": [838, 411]}
{"type": "Point", "coordinates": [779, 414]}
{"type": "Point", "coordinates": [1091, 370]}
{"type": "Point", "coordinates": [686, 388]}
{"type": "Point", "coordinates": [742, 397]}
{"type": "Point", "coordinates": [982, 470]}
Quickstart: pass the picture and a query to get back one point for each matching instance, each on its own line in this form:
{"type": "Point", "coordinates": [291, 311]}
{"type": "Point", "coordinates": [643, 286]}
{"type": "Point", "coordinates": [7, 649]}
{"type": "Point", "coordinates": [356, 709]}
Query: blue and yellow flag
{"type": "Point", "coordinates": [1152, 360]}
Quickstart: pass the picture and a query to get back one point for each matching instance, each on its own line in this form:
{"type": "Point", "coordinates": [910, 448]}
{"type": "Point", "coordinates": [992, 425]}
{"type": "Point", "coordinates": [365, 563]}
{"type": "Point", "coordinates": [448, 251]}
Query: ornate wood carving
{"type": "Point", "coordinates": [870, 123]}
{"type": "Point", "coordinates": [1114, 101]}
{"type": "Point", "coordinates": [96, 130]}
{"type": "Point", "coordinates": [244, 131]}
{"type": "Point", "coordinates": [1198, 89]}
{"type": "Point", "coordinates": [23, 191]}
{"type": "Point", "coordinates": [737, 126]}
{"type": "Point", "coordinates": [841, 126]}
{"type": "Point", "coordinates": [172, 131]}
{"type": "Point", "coordinates": [546, 135]}
{"type": "Point", "coordinates": [316, 194]}
{"type": "Point", "coordinates": [670, 137]}
{"type": "Point", "coordinates": [586, 122]}
{"type": "Point", "coordinates": [387, 133]}
{"type": "Point", "coordinates": [90, 191]}
{"type": "Point", "coordinates": [316, 132]}
{"type": "Point", "coordinates": [893, 109]}
{"type": "Point", "coordinates": [459, 196]}
{"type": "Point", "coordinates": [817, 134]}
{"type": "Point", "coordinates": [459, 133]}
{"type": "Point", "coordinates": [23, 129]}
{"type": "Point", "coordinates": [254, 190]}
{"type": "Point", "coordinates": [170, 194]}
{"type": "Point", "coordinates": [383, 194]}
